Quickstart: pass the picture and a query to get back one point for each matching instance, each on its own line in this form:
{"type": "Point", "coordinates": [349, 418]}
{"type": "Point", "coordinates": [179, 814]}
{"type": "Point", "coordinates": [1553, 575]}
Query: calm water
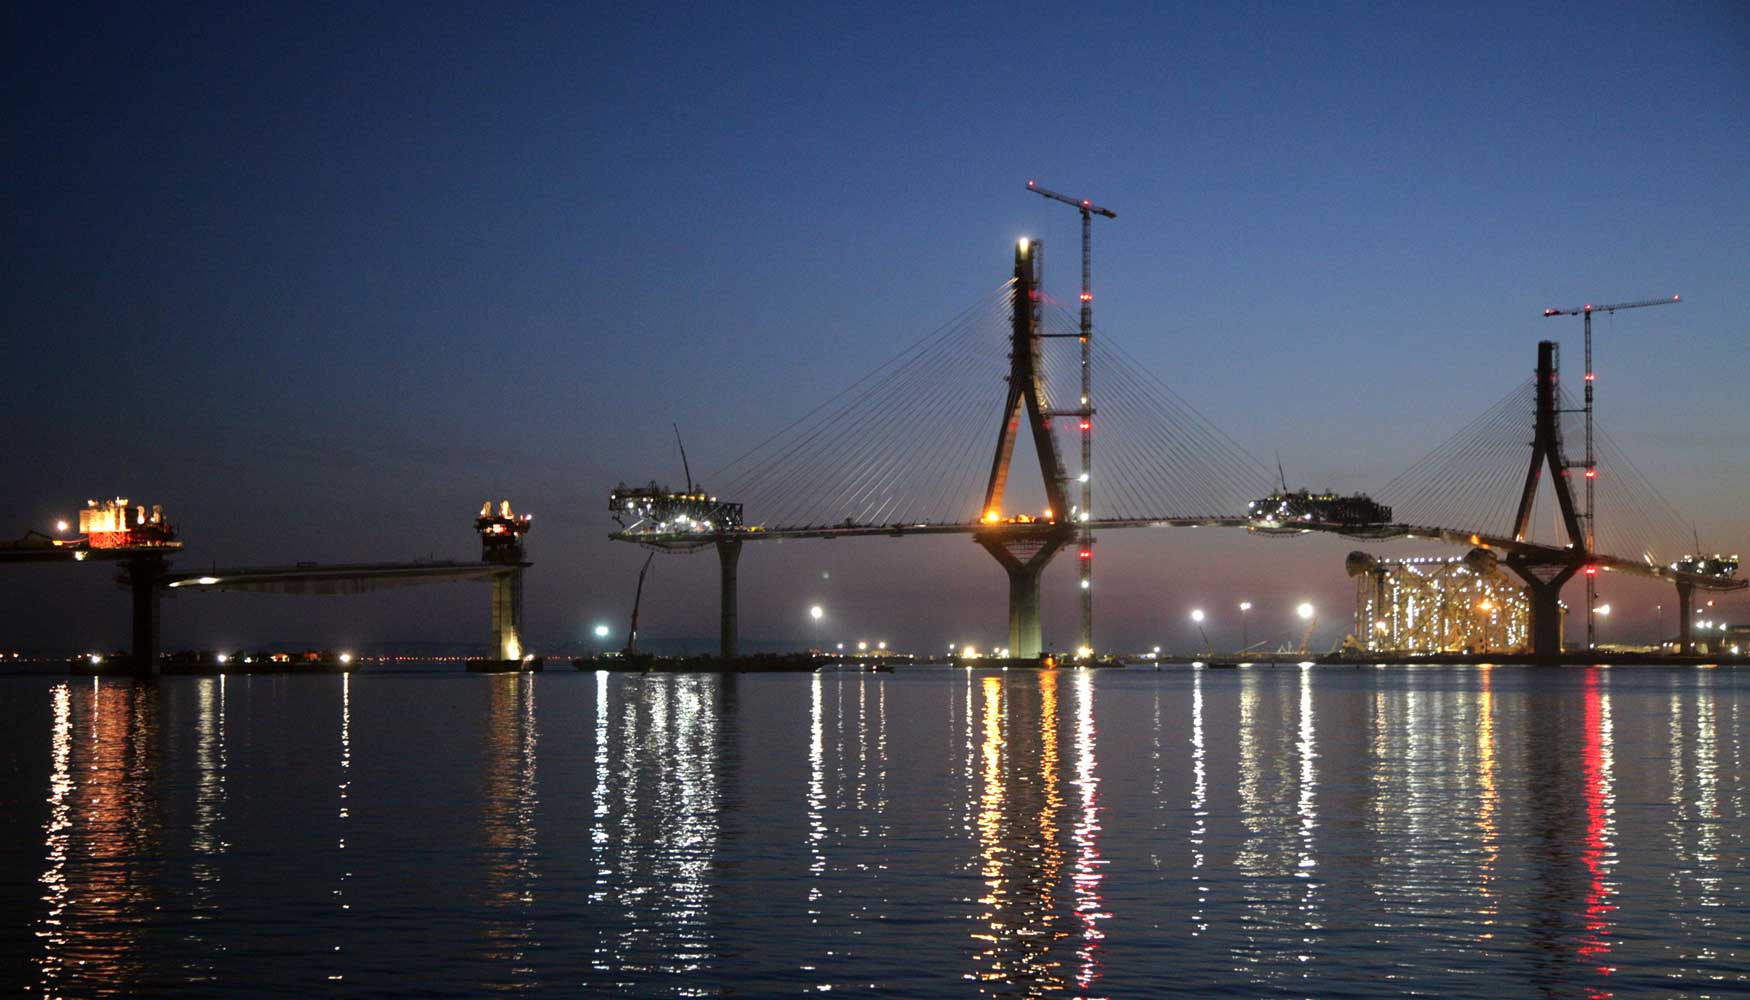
{"type": "Point", "coordinates": [1320, 832]}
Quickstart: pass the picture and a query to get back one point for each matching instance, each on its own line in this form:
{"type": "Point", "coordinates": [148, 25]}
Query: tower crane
{"type": "Point", "coordinates": [1586, 311]}
{"type": "Point", "coordinates": [1086, 410]}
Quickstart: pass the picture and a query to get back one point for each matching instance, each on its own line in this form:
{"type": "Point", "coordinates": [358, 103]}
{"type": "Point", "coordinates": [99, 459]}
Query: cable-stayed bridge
{"type": "Point", "coordinates": [908, 450]}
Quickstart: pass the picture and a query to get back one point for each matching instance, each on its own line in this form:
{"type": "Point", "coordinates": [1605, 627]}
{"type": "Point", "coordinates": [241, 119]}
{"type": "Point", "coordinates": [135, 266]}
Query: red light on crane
{"type": "Point", "coordinates": [1591, 571]}
{"type": "Point", "coordinates": [1087, 554]}
{"type": "Point", "coordinates": [1591, 377]}
{"type": "Point", "coordinates": [1086, 425]}
{"type": "Point", "coordinates": [1591, 473]}
{"type": "Point", "coordinates": [1087, 296]}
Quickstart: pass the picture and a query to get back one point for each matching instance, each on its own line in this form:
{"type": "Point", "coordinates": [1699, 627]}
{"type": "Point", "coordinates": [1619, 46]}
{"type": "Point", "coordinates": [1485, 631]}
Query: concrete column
{"type": "Point", "coordinates": [1546, 606]}
{"type": "Point", "coordinates": [507, 615]}
{"type": "Point", "coordinates": [1686, 618]}
{"type": "Point", "coordinates": [1025, 636]}
{"type": "Point", "coordinates": [728, 555]}
{"type": "Point", "coordinates": [143, 579]}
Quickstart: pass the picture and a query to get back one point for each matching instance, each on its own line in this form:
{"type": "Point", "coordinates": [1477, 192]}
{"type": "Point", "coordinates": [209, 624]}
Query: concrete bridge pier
{"type": "Point", "coordinates": [728, 626]}
{"type": "Point", "coordinates": [144, 579]}
{"type": "Point", "coordinates": [507, 615]}
{"type": "Point", "coordinates": [1543, 586]}
{"type": "Point", "coordinates": [501, 542]}
{"type": "Point", "coordinates": [1024, 561]}
{"type": "Point", "coordinates": [1685, 617]}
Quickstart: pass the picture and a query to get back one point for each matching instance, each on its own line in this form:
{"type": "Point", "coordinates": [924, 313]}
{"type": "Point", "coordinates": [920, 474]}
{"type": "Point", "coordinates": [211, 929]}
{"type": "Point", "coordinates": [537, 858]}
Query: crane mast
{"type": "Point", "coordinates": [1084, 412]}
{"type": "Point", "coordinates": [1586, 312]}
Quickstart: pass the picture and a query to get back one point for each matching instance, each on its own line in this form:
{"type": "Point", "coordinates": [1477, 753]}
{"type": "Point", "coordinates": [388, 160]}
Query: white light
{"type": "Point", "coordinates": [1197, 615]}
{"type": "Point", "coordinates": [841, 646]}
{"type": "Point", "coordinates": [1604, 609]}
{"type": "Point", "coordinates": [80, 555]}
{"type": "Point", "coordinates": [1084, 584]}
{"type": "Point", "coordinates": [1024, 243]}
{"type": "Point", "coordinates": [861, 646]}
{"type": "Point", "coordinates": [881, 645]}
{"type": "Point", "coordinates": [1084, 477]}
{"type": "Point", "coordinates": [601, 631]}
{"type": "Point", "coordinates": [222, 658]}
{"type": "Point", "coordinates": [816, 612]}
{"type": "Point", "coordinates": [207, 581]}
{"type": "Point", "coordinates": [1305, 611]}
{"type": "Point", "coordinates": [1157, 650]}
{"type": "Point", "coordinates": [1083, 652]}
{"type": "Point", "coordinates": [1245, 605]}
{"type": "Point", "coordinates": [61, 526]}
{"type": "Point", "coordinates": [95, 659]}
{"type": "Point", "coordinates": [345, 658]}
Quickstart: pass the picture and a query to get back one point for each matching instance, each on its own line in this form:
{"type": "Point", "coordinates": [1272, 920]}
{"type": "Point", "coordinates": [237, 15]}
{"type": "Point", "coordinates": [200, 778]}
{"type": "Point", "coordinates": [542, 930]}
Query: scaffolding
{"type": "Point", "coordinates": [1458, 604]}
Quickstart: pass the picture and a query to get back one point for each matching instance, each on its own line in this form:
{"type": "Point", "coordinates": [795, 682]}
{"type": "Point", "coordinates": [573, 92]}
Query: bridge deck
{"type": "Point", "coordinates": [1450, 536]}
{"type": "Point", "coordinates": [337, 578]}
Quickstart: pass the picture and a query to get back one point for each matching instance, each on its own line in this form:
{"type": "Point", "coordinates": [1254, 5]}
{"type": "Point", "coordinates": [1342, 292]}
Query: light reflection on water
{"type": "Point", "coordinates": [1301, 831]}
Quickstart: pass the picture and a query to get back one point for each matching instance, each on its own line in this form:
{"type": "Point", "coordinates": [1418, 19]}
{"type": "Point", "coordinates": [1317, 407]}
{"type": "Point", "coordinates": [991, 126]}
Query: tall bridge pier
{"type": "Point", "coordinates": [1024, 545]}
{"type": "Point", "coordinates": [728, 616]}
{"type": "Point", "coordinates": [1544, 578]}
{"type": "Point", "coordinates": [1685, 616]}
{"type": "Point", "coordinates": [144, 577]}
{"type": "Point", "coordinates": [501, 542]}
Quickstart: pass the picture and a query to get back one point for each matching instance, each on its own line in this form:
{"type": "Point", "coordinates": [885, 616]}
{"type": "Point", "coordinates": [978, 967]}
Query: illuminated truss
{"type": "Point", "coordinates": [1438, 605]}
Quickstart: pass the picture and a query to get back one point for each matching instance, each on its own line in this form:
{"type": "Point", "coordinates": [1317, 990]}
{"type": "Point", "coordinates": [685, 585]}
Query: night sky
{"type": "Point", "coordinates": [322, 278]}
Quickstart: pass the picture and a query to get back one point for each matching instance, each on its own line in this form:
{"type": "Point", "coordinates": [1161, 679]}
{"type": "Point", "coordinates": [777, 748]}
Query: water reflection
{"type": "Point", "coordinates": [343, 813]}
{"type": "Point", "coordinates": [1277, 789]}
{"type": "Point", "coordinates": [507, 824]}
{"type": "Point", "coordinates": [1037, 827]}
{"type": "Point", "coordinates": [655, 833]}
{"type": "Point", "coordinates": [1419, 832]}
{"type": "Point", "coordinates": [102, 838]}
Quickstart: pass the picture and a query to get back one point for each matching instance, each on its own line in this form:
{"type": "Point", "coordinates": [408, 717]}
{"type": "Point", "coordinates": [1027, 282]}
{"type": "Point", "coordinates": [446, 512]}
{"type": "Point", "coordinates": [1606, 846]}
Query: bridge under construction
{"type": "Point", "coordinates": [896, 454]}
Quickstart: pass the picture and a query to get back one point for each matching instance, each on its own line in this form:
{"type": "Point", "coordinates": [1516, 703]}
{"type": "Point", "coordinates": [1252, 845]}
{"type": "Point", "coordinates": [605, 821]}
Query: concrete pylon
{"type": "Point", "coordinates": [1026, 636]}
{"type": "Point", "coordinates": [728, 624]}
{"type": "Point", "coordinates": [1543, 588]}
{"type": "Point", "coordinates": [1685, 617]}
{"type": "Point", "coordinates": [144, 577]}
{"type": "Point", "coordinates": [507, 615]}
{"type": "Point", "coordinates": [1025, 546]}
{"type": "Point", "coordinates": [501, 542]}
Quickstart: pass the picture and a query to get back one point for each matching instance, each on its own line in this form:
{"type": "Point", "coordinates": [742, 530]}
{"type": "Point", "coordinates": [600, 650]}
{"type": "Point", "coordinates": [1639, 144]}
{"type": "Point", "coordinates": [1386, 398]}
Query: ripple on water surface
{"type": "Point", "coordinates": [937, 832]}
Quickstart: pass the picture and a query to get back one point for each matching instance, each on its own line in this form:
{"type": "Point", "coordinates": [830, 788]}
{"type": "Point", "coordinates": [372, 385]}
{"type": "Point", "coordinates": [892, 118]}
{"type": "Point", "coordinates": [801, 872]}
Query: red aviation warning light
{"type": "Point", "coordinates": [1591, 571]}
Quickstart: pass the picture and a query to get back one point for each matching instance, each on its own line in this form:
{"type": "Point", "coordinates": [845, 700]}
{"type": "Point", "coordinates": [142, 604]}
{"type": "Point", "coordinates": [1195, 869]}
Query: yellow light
{"type": "Point", "coordinates": [970, 652]}
{"type": "Point", "coordinates": [992, 517]}
{"type": "Point", "coordinates": [1048, 512]}
{"type": "Point", "coordinates": [1083, 652]}
{"type": "Point", "coordinates": [1024, 243]}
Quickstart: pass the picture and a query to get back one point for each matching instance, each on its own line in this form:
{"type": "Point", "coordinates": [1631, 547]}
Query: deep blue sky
{"type": "Point", "coordinates": [322, 278]}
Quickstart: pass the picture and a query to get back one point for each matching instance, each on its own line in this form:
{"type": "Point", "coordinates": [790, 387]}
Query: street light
{"type": "Point", "coordinates": [817, 612]}
{"type": "Point", "coordinates": [1309, 615]}
{"type": "Point", "coordinates": [1197, 616]}
{"type": "Point", "coordinates": [1245, 606]}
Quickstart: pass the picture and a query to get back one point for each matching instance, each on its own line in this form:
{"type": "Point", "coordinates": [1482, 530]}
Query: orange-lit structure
{"type": "Point", "coordinates": [106, 524]}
